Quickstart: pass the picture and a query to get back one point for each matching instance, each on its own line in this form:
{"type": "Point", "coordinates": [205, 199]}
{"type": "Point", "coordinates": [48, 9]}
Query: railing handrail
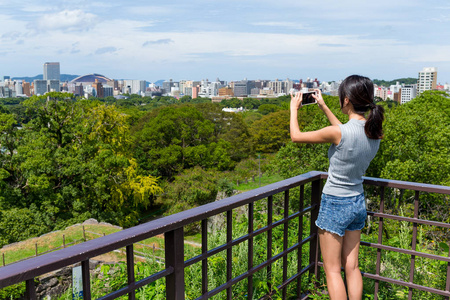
{"type": "Point", "coordinates": [37, 266]}
{"type": "Point", "coordinates": [25, 270]}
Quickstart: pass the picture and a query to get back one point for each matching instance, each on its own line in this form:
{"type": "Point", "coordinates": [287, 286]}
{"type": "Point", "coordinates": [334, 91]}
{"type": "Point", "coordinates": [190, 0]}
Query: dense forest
{"type": "Point", "coordinates": [64, 160]}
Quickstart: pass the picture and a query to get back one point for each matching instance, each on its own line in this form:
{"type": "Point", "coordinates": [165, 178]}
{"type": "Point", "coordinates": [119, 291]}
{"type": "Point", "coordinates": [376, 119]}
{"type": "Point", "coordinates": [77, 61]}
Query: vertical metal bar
{"type": "Point", "coordinates": [269, 241]}
{"type": "Point", "coordinates": [84, 234]}
{"type": "Point", "coordinates": [3, 255]}
{"type": "Point", "coordinates": [447, 285]}
{"type": "Point", "coordinates": [380, 241]}
{"type": "Point", "coordinates": [85, 276]}
{"type": "Point", "coordinates": [300, 237]}
{"type": "Point", "coordinates": [414, 243]}
{"type": "Point", "coordinates": [250, 250]}
{"type": "Point", "coordinates": [314, 243]}
{"type": "Point", "coordinates": [285, 239]}
{"type": "Point", "coordinates": [130, 270]}
{"type": "Point", "coordinates": [174, 256]}
{"type": "Point", "coordinates": [64, 241]}
{"type": "Point", "coordinates": [30, 290]}
{"type": "Point", "coordinates": [229, 251]}
{"type": "Point", "coordinates": [205, 261]}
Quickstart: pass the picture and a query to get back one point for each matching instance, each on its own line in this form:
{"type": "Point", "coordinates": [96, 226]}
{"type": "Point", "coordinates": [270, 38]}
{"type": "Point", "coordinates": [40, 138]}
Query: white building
{"type": "Point", "coordinates": [427, 79]}
{"type": "Point", "coordinates": [408, 92]}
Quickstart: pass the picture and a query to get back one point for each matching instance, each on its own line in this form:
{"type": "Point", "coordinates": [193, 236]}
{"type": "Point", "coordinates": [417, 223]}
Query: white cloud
{"type": "Point", "coordinates": [73, 20]}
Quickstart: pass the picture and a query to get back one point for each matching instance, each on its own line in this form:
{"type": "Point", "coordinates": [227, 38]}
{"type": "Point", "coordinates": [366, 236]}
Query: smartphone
{"type": "Point", "coordinates": [308, 98]}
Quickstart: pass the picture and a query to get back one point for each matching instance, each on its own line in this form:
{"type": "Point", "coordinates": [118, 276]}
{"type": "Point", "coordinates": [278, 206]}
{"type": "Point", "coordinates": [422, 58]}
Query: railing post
{"type": "Point", "coordinates": [30, 289]}
{"type": "Point", "coordinates": [300, 238]}
{"type": "Point", "coordinates": [314, 243]}
{"type": "Point", "coordinates": [174, 254]}
{"type": "Point", "coordinates": [413, 244]}
{"type": "Point", "coordinates": [86, 278]}
{"type": "Point", "coordinates": [250, 250]}
{"type": "Point", "coordinates": [130, 270]}
{"type": "Point", "coordinates": [269, 241]}
{"type": "Point", "coordinates": [205, 261]}
{"type": "Point", "coordinates": [380, 241]}
{"type": "Point", "coordinates": [447, 285]}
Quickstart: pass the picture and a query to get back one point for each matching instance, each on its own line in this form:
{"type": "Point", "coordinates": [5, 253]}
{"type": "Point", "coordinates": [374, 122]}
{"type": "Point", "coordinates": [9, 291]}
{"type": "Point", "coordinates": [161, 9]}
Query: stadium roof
{"type": "Point", "coordinates": [89, 78]}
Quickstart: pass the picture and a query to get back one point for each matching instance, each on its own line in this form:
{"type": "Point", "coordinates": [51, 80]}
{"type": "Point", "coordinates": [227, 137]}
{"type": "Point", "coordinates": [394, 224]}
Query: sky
{"type": "Point", "coordinates": [229, 40]}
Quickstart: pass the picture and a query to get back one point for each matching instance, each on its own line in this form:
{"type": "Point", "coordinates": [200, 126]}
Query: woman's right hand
{"type": "Point", "coordinates": [319, 99]}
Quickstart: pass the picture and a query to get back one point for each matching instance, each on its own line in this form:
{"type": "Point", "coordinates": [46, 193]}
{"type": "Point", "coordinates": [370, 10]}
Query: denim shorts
{"type": "Point", "coordinates": [338, 214]}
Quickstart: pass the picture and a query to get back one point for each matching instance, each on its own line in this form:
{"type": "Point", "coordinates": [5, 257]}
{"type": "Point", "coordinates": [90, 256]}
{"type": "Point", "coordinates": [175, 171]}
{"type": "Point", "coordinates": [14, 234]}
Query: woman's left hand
{"type": "Point", "coordinates": [296, 100]}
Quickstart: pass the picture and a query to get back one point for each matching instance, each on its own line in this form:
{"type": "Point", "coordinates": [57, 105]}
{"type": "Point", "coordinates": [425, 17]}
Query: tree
{"type": "Point", "coordinates": [72, 162]}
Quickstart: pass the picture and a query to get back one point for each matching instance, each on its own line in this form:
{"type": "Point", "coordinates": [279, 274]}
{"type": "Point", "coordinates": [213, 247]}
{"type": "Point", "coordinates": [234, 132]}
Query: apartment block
{"type": "Point", "coordinates": [427, 79]}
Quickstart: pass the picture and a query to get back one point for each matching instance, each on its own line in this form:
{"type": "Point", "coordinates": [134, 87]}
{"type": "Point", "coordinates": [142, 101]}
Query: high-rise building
{"type": "Point", "coordinates": [51, 71]}
{"type": "Point", "coordinates": [427, 79]}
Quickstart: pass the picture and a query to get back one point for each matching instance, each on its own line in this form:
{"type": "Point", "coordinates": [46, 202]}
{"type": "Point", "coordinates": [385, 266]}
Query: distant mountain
{"type": "Point", "coordinates": [63, 77]}
{"type": "Point", "coordinates": [409, 80]}
{"type": "Point", "coordinates": [159, 82]}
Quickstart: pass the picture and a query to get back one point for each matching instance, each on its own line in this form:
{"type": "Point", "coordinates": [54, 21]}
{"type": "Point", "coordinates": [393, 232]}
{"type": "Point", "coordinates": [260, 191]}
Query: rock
{"type": "Point", "coordinates": [90, 222]}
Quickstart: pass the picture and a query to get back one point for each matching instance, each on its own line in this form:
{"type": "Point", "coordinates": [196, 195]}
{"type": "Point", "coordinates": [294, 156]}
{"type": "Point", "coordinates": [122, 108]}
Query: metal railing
{"type": "Point", "coordinates": [175, 263]}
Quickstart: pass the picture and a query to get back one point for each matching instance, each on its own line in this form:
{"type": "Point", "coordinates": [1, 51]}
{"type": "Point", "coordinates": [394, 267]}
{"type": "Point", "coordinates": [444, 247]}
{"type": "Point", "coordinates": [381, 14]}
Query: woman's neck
{"type": "Point", "coordinates": [353, 115]}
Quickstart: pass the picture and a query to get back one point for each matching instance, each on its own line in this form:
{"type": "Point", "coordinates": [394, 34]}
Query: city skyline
{"type": "Point", "coordinates": [230, 40]}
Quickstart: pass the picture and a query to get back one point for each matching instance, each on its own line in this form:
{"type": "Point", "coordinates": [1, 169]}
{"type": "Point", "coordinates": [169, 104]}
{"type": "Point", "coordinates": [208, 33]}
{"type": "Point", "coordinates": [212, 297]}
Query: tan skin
{"type": "Point", "coordinates": [329, 242]}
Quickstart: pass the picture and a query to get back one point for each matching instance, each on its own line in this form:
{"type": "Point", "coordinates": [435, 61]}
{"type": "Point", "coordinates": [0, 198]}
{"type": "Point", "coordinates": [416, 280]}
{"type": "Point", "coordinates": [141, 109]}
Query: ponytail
{"type": "Point", "coordinates": [373, 126]}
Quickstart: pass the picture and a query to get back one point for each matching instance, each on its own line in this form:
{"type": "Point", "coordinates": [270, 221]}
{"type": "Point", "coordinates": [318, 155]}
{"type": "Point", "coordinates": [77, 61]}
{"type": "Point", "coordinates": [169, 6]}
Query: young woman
{"type": "Point", "coordinates": [342, 211]}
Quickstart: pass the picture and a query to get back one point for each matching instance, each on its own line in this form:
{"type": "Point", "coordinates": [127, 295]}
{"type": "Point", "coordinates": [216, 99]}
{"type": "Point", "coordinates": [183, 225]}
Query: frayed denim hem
{"type": "Point", "coordinates": [330, 231]}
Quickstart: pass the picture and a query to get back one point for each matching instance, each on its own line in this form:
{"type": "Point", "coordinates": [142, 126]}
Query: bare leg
{"type": "Point", "coordinates": [350, 251]}
{"type": "Point", "coordinates": [331, 248]}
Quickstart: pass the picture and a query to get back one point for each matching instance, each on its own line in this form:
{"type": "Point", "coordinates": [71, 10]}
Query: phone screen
{"type": "Point", "coordinates": [308, 98]}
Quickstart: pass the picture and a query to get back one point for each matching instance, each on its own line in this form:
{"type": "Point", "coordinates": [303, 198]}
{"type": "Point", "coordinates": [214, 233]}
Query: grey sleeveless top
{"type": "Point", "coordinates": [349, 160]}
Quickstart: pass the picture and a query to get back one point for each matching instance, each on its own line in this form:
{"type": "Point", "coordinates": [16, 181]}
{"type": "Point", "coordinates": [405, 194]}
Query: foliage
{"type": "Point", "coordinates": [180, 137]}
{"type": "Point", "coordinates": [271, 132]}
{"type": "Point", "coordinates": [69, 163]}
{"type": "Point", "coordinates": [409, 80]}
{"type": "Point", "coordinates": [191, 188]}
{"type": "Point", "coordinates": [15, 291]}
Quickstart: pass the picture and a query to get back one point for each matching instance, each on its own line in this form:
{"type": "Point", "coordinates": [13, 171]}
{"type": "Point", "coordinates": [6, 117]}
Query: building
{"type": "Point", "coordinates": [226, 91]}
{"type": "Point", "coordinates": [240, 88]}
{"type": "Point", "coordinates": [137, 87]}
{"type": "Point", "coordinates": [98, 86]}
{"type": "Point", "coordinates": [26, 87]}
{"type": "Point", "coordinates": [51, 71]}
{"type": "Point", "coordinates": [40, 87]}
{"type": "Point", "coordinates": [195, 91]}
{"type": "Point", "coordinates": [53, 85]}
{"type": "Point", "coordinates": [407, 93]}
{"type": "Point", "coordinates": [108, 91]}
{"type": "Point", "coordinates": [427, 79]}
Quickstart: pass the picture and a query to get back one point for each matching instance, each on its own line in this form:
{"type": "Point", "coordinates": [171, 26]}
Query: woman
{"type": "Point", "coordinates": [342, 210]}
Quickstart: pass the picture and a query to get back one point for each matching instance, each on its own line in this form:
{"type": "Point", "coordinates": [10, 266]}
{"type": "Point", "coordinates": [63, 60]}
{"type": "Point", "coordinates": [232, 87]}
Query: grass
{"type": "Point", "coordinates": [74, 235]}
{"type": "Point", "coordinates": [265, 180]}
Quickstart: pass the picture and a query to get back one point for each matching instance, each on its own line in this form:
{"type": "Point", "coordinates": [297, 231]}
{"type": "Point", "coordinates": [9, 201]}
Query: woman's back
{"type": "Point", "coordinates": [349, 160]}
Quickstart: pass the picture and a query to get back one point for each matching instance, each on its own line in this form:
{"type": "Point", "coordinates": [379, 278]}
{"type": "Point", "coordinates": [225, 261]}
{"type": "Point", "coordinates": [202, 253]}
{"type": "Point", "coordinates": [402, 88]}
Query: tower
{"type": "Point", "coordinates": [51, 71]}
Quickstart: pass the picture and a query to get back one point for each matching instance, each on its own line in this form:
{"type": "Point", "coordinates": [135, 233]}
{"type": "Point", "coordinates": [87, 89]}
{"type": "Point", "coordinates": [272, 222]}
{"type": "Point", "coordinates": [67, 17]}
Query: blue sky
{"type": "Point", "coordinates": [231, 40]}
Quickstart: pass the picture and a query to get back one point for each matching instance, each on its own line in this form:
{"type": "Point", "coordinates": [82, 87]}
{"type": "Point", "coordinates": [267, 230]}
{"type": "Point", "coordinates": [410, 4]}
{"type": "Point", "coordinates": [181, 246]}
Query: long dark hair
{"type": "Point", "coordinates": [360, 92]}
